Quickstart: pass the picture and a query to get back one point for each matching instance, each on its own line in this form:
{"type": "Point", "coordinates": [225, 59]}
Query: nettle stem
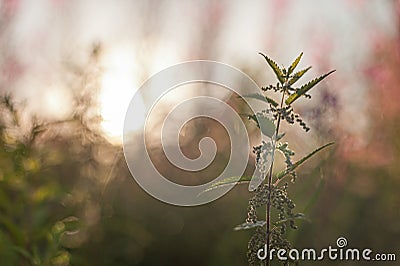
{"type": "Point", "coordinates": [275, 196]}
{"type": "Point", "coordinates": [268, 207]}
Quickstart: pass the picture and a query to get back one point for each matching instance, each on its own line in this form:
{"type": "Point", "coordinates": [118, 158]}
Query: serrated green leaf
{"type": "Point", "coordinates": [294, 64]}
{"type": "Point", "coordinates": [298, 75]}
{"type": "Point", "coordinates": [297, 216]}
{"type": "Point", "coordinates": [229, 181]}
{"type": "Point", "coordinates": [280, 175]}
{"type": "Point", "coordinates": [277, 70]}
{"type": "Point", "coordinates": [254, 118]}
{"type": "Point", "coordinates": [265, 124]}
{"type": "Point", "coordinates": [302, 160]}
{"type": "Point", "coordinates": [280, 136]}
{"type": "Point", "coordinates": [300, 216]}
{"type": "Point", "coordinates": [305, 88]}
{"type": "Point", "coordinates": [259, 96]}
{"type": "Point", "coordinates": [271, 101]}
{"type": "Point", "coordinates": [246, 226]}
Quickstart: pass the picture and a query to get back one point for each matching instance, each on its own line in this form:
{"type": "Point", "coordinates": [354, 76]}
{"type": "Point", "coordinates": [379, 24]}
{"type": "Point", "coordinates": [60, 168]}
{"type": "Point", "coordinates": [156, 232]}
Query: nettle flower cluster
{"type": "Point", "coordinates": [273, 193]}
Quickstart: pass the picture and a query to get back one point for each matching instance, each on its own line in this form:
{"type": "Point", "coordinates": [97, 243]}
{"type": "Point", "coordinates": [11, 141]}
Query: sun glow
{"type": "Point", "coordinates": [118, 85]}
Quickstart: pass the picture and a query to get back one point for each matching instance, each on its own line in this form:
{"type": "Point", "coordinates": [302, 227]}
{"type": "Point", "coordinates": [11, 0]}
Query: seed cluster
{"type": "Point", "coordinates": [285, 113]}
{"type": "Point", "coordinates": [284, 205]}
{"type": "Point", "coordinates": [288, 153]}
{"type": "Point", "coordinates": [262, 152]}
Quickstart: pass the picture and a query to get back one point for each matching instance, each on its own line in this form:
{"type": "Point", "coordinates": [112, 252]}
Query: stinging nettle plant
{"type": "Point", "coordinates": [272, 193]}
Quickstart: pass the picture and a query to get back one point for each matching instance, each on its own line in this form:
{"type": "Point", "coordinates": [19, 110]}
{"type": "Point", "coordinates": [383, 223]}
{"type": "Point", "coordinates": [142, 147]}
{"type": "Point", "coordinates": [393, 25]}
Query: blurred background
{"type": "Point", "coordinates": [68, 70]}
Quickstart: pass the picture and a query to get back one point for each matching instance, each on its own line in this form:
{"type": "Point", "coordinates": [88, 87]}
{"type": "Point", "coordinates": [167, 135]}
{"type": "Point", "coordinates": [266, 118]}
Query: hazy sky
{"type": "Point", "coordinates": [142, 37]}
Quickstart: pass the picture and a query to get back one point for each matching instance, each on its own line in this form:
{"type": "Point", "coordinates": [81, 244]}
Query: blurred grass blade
{"type": "Point", "coordinates": [24, 253]}
{"type": "Point", "coordinates": [12, 229]}
{"type": "Point", "coordinates": [302, 160]}
{"type": "Point", "coordinates": [294, 64]}
{"type": "Point", "coordinates": [298, 75]}
{"type": "Point", "coordinates": [315, 195]}
{"type": "Point", "coordinates": [275, 68]}
{"type": "Point", "coordinates": [305, 88]}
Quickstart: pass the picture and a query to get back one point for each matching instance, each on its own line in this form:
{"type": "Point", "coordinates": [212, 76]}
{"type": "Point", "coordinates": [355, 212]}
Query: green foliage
{"type": "Point", "coordinates": [31, 227]}
{"type": "Point", "coordinates": [289, 170]}
{"type": "Point", "coordinates": [280, 208]}
{"type": "Point", "coordinates": [264, 123]}
{"type": "Point", "coordinates": [278, 72]}
{"type": "Point", "coordinates": [294, 64]}
{"type": "Point", "coordinates": [305, 88]}
{"type": "Point", "coordinates": [229, 181]}
{"type": "Point", "coordinates": [293, 167]}
{"type": "Point", "coordinates": [279, 199]}
{"type": "Point", "coordinates": [298, 75]}
{"type": "Point", "coordinates": [261, 97]}
{"type": "Point", "coordinates": [288, 154]}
